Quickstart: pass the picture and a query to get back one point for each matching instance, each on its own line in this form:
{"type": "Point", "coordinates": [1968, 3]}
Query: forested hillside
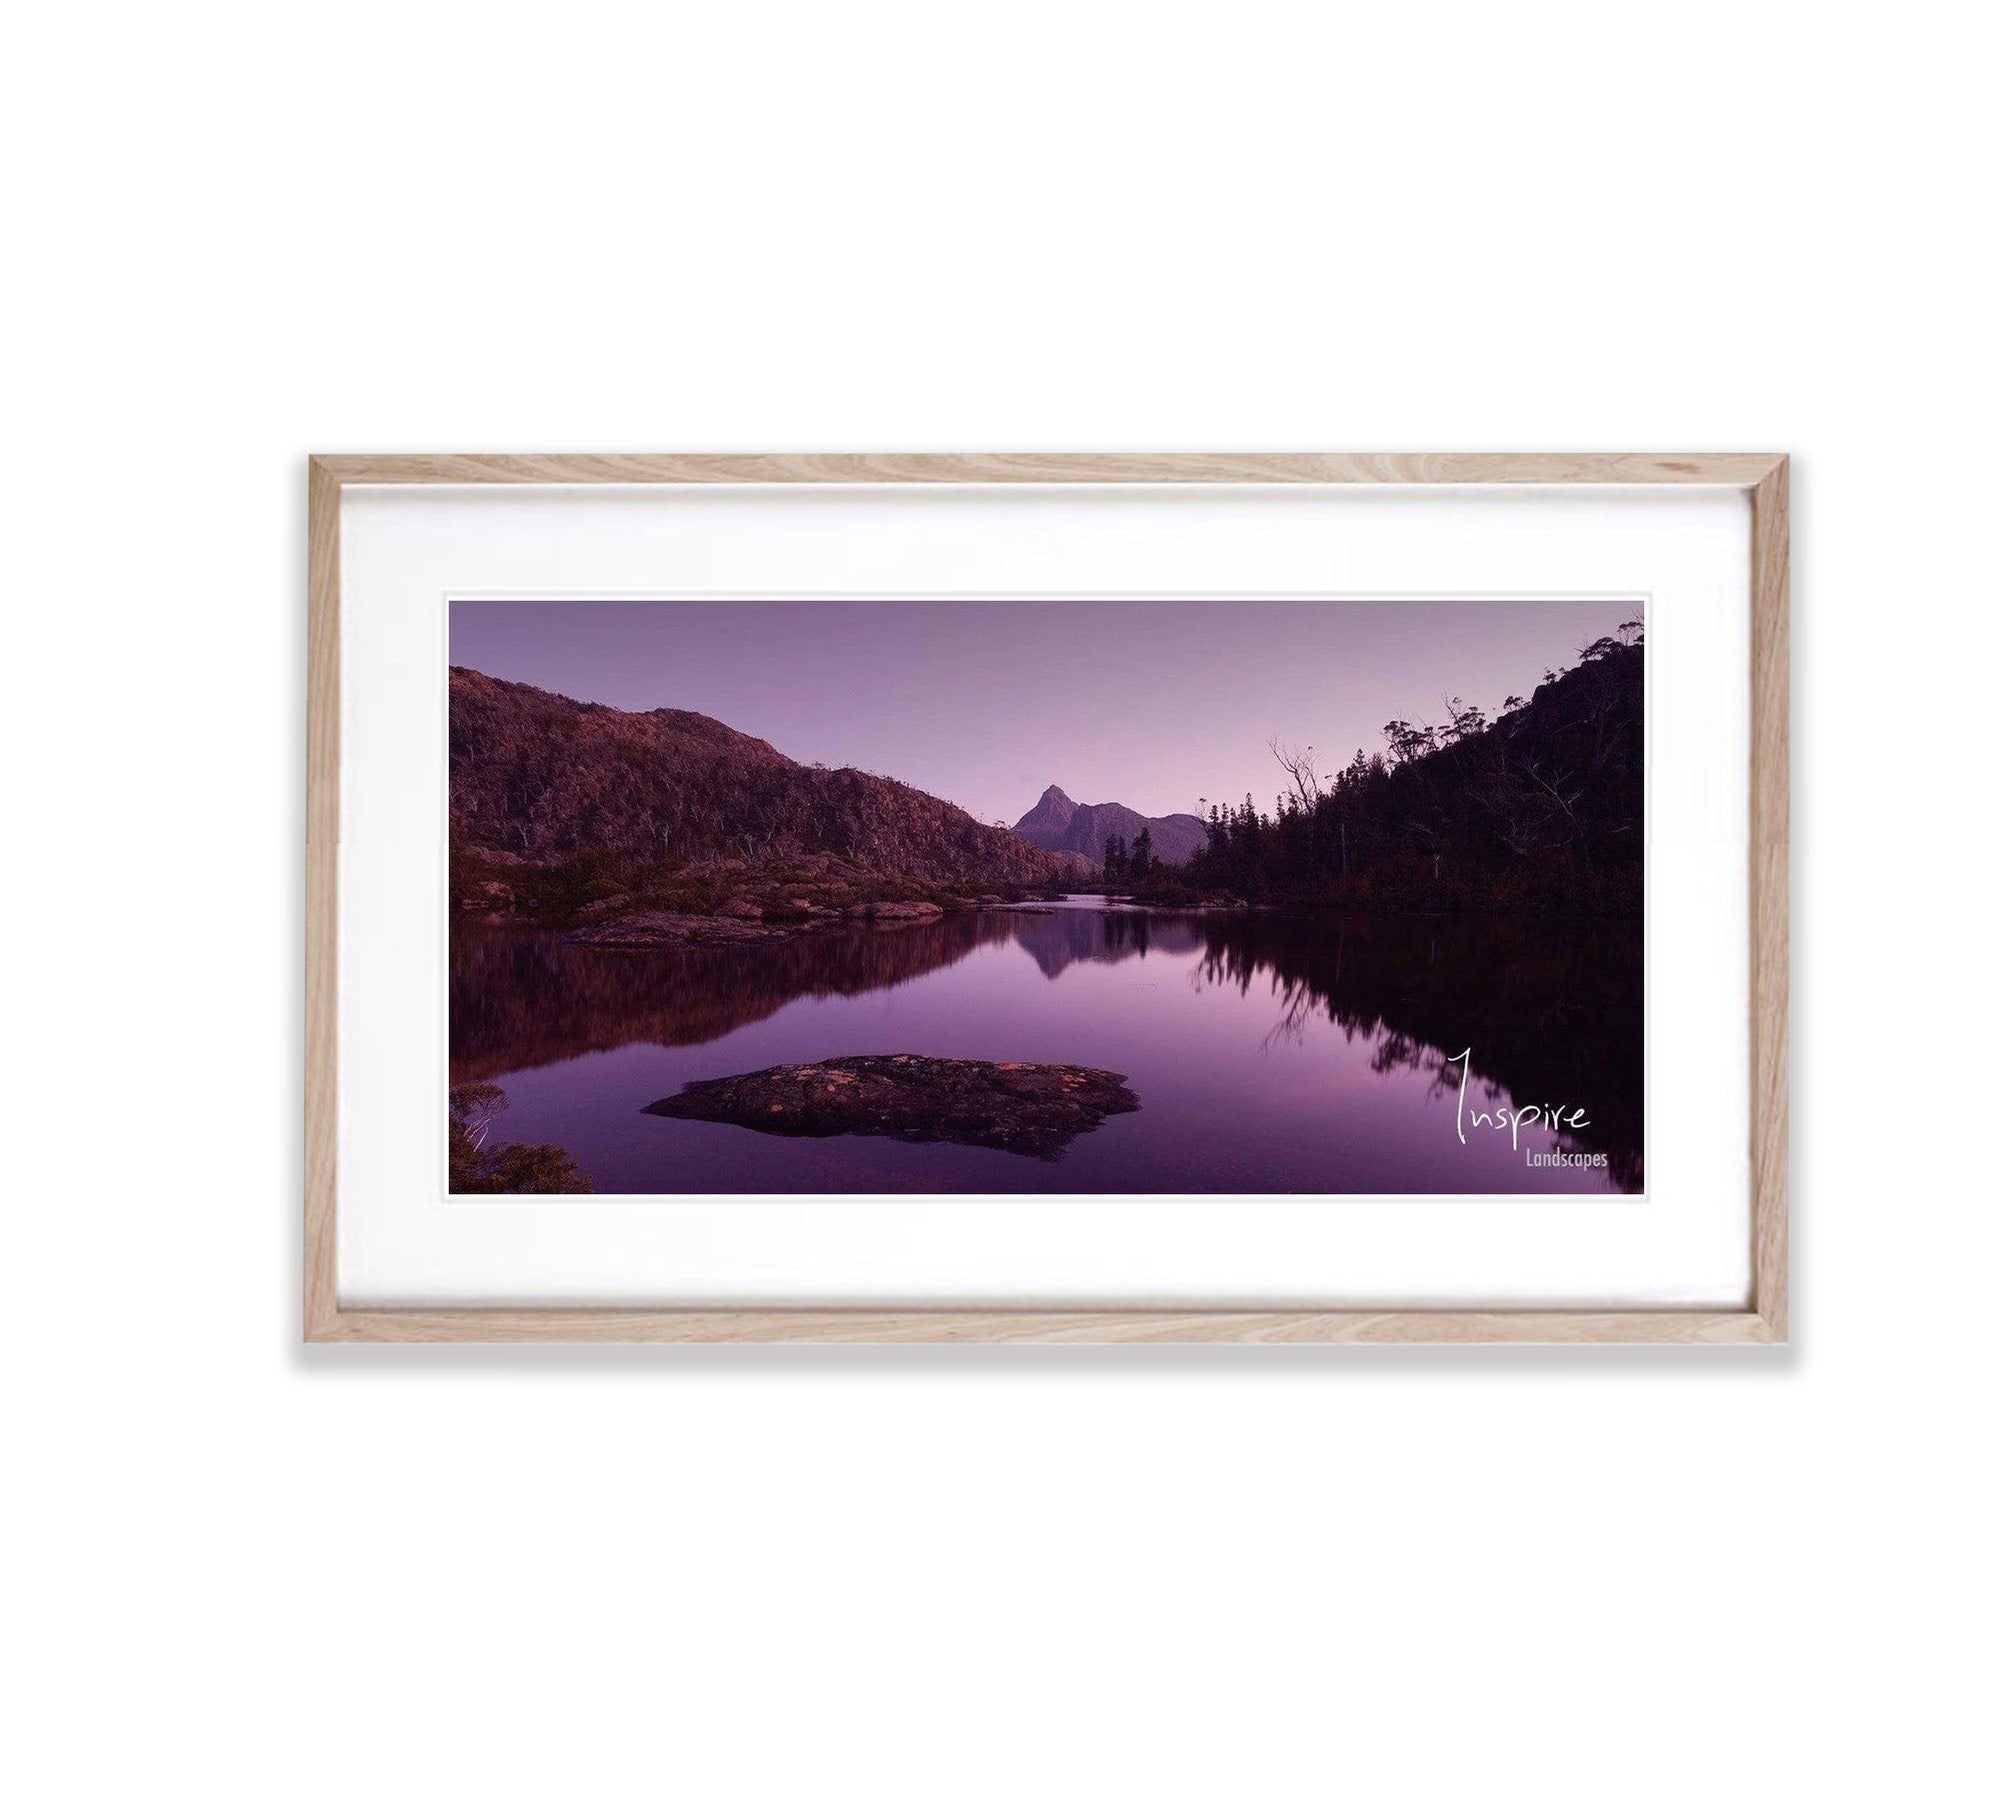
{"type": "Point", "coordinates": [1538, 808]}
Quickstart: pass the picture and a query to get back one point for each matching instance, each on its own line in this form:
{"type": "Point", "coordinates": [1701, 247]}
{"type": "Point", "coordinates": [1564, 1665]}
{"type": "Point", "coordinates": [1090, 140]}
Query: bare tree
{"type": "Point", "coordinates": [475, 1107]}
{"type": "Point", "coordinates": [1302, 765]}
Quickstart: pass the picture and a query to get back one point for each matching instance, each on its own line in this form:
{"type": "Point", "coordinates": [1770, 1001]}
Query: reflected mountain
{"type": "Point", "coordinates": [1056, 940]}
{"type": "Point", "coordinates": [522, 998]}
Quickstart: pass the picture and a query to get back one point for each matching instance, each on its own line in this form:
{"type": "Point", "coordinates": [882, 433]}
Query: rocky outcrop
{"type": "Point", "coordinates": [895, 911]}
{"type": "Point", "coordinates": [1027, 1108]}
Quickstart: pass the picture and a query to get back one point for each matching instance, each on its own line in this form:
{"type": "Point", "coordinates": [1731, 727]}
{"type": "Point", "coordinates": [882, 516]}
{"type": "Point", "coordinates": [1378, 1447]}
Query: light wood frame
{"type": "Point", "coordinates": [1765, 478]}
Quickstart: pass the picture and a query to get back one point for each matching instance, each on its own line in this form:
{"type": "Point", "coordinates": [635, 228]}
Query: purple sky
{"type": "Point", "coordinates": [1153, 703]}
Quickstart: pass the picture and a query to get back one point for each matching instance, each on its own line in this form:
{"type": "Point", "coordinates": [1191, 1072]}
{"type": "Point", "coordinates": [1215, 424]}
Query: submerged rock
{"type": "Point", "coordinates": [1030, 1108]}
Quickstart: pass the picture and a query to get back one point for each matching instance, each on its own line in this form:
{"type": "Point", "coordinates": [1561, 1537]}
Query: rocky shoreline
{"type": "Point", "coordinates": [739, 900]}
{"type": "Point", "coordinates": [739, 923]}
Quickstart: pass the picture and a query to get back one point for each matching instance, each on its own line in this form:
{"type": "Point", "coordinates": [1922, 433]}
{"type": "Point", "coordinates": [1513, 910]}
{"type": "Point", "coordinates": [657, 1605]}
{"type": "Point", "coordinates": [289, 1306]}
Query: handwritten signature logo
{"type": "Point", "coordinates": [1550, 1118]}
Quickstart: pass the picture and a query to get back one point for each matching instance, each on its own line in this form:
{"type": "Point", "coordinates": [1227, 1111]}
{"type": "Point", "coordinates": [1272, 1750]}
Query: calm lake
{"type": "Point", "coordinates": [1269, 1054]}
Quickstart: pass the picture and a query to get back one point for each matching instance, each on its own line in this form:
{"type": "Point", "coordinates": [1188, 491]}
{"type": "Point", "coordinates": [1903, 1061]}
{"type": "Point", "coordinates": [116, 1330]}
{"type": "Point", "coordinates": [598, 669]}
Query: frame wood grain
{"type": "Point", "coordinates": [1765, 479]}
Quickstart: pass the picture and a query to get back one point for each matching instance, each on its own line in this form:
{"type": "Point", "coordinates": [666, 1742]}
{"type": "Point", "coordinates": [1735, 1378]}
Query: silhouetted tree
{"type": "Point", "coordinates": [1540, 806]}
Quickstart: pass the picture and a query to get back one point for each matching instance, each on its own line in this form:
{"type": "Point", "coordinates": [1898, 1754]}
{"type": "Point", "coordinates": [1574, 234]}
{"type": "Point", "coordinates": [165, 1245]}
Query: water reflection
{"type": "Point", "coordinates": [1079, 934]}
{"type": "Point", "coordinates": [522, 998]}
{"type": "Point", "coordinates": [1553, 1013]}
{"type": "Point", "coordinates": [1272, 1054]}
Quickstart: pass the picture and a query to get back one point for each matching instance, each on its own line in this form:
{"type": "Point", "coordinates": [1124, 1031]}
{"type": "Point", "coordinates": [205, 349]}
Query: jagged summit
{"type": "Point", "coordinates": [1045, 825]}
{"type": "Point", "coordinates": [1059, 823]}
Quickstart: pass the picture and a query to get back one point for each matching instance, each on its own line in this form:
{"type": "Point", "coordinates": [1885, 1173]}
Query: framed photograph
{"type": "Point", "coordinates": [1060, 899]}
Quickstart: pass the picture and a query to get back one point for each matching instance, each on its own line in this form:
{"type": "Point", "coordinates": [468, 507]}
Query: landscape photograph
{"type": "Point", "coordinates": [1067, 898]}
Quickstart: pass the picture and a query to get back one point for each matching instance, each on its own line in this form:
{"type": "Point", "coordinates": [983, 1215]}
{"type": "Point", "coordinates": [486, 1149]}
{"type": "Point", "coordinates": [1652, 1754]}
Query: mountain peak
{"type": "Point", "coordinates": [1050, 814]}
{"type": "Point", "coordinates": [1058, 823]}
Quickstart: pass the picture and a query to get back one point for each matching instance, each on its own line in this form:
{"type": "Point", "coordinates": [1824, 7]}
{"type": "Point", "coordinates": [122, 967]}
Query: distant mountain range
{"type": "Point", "coordinates": [1058, 823]}
{"type": "Point", "coordinates": [545, 779]}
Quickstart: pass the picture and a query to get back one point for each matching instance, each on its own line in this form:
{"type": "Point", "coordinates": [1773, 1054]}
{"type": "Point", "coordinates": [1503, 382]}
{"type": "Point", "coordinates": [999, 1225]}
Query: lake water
{"type": "Point", "coordinates": [1269, 1054]}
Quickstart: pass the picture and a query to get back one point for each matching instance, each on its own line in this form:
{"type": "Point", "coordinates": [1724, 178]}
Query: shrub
{"type": "Point", "coordinates": [512, 1167]}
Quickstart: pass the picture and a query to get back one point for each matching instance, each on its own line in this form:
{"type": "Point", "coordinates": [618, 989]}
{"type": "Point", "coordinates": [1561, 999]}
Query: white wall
{"type": "Point", "coordinates": [244, 233]}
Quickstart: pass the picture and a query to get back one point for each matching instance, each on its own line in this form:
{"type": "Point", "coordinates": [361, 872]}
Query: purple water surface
{"type": "Point", "coordinates": [1273, 1056]}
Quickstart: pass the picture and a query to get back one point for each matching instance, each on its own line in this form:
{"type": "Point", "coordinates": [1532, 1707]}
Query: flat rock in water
{"type": "Point", "coordinates": [1030, 1108]}
{"type": "Point", "coordinates": [673, 930]}
{"type": "Point", "coordinates": [895, 911]}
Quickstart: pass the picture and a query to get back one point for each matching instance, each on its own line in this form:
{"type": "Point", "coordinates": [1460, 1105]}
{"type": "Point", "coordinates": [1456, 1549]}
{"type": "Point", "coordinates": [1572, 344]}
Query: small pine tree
{"type": "Point", "coordinates": [1141, 857]}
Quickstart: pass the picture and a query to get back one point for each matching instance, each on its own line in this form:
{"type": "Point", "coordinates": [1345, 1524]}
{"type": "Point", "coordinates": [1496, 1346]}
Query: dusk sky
{"type": "Point", "coordinates": [1153, 703]}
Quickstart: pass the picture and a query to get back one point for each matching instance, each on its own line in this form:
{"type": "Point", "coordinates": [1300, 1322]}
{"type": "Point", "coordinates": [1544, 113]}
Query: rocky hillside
{"type": "Point", "coordinates": [1057, 822]}
{"type": "Point", "coordinates": [542, 779]}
